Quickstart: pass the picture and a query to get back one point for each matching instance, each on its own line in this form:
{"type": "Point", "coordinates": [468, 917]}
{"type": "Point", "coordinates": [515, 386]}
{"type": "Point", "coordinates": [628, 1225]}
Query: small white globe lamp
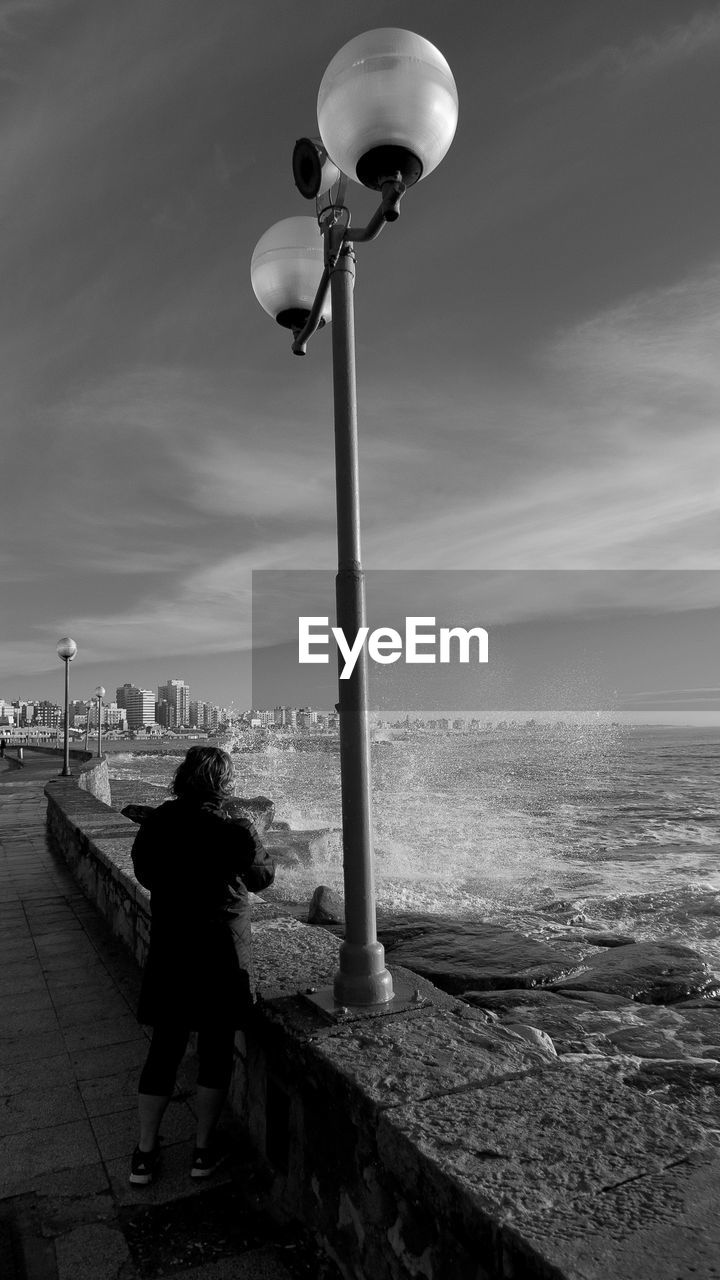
{"type": "Point", "coordinates": [99, 694]}
{"type": "Point", "coordinates": [285, 271]}
{"type": "Point", "coordinates": [66, 650]}
{"type": "Point", "coordinates": [387, 104]}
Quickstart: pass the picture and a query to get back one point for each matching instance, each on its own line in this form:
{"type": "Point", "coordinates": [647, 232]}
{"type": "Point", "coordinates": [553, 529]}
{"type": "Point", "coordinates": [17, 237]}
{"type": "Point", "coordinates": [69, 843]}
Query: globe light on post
{"type": "Point", "coordinates": [99, 694]}
{"type": "Point", "coordinates": [387, 106]}
{"type": "Point", "coordinates": [387, 113]}
{"type": "Point", "coordinates": [286, 269]}
{"type": "Point", "coordinates": [66, 650]}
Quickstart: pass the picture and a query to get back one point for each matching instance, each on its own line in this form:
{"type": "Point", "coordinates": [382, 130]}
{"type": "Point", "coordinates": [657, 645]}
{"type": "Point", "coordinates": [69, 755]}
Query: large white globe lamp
{"type": "Point", "coordinates": [286, 268]}
{"type": "Point", "coordinates": [387, 104]}
{"type": "Point", "coordinates": [67, 649]}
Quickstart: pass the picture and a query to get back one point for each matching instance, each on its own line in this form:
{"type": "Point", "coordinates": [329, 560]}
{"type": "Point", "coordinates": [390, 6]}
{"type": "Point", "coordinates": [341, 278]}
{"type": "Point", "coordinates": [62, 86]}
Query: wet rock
{"type": "Point", "coordinates": [135, 791]}
{"type": "Point", "coordinates": [326, 906]}
{"type": "Point", "coordinates": [609, 939]}
{"type": "Point", "coordinates": [257, 809]}
{"type": "Point", "coordinates": [137, 812]}
{"type": "Point", "coordinates": [650, 972]}
{"type": "Point", "coordinates": [610, 1025]}
{"type": "Point", "coordinates": [533, 1035]}
{"type": "Point", "coordinates": [297, 847]}
{"type": "Point", "coordinates": [459, 956]}
{"type": "Point", "coordinates": [574, 1026]}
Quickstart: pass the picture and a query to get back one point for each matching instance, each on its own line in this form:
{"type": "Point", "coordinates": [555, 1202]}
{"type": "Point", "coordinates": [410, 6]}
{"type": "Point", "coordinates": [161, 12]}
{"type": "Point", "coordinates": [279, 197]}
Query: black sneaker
{"type": "Point", "coordinates": [207, 1159]}
{"type": "Point", "coordinates": [143, 1166]}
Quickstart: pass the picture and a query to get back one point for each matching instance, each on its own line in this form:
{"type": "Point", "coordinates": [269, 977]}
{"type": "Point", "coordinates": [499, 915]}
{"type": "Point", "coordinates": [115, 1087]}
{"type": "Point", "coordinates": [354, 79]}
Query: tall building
{"type": "Point", "coordinates": [285, 717]}
{"type": "Point", "coordinates": [49, 714]}
{"type": "Point", "coordinates": [177, 694]}
{"type": "Point", "coordinates": [138, 703]}
{"type": "Point", "coordinates": [165, 714]}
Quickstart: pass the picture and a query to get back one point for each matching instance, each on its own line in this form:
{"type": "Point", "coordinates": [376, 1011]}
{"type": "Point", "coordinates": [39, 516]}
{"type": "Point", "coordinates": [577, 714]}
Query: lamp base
{"type": "Point", "coordinates": [381, 163]}
{"type": "Point", "coordinates": [407, 997]}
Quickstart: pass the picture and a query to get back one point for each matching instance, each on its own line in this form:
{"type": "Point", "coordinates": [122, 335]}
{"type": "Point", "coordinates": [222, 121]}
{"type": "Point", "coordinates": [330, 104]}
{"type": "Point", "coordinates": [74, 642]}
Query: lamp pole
{"type": "Point", "coordinates": [88, 709]}
{"type": "Point", "coordinates": [100, 694]}
{"type": "Point", "coordinates": [362, 978]}
{"type": "Point", "coordinates": [66, 649]}
{"type": "Point", "coordinates": [387, 131]}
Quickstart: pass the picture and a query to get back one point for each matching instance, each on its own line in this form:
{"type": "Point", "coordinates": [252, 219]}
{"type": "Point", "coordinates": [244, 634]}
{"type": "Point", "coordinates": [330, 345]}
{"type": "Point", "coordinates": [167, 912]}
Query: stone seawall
{"type": "Point", "coordinates": [91, 773]}
{"type": "Point", "coordinates": [431, 1141]}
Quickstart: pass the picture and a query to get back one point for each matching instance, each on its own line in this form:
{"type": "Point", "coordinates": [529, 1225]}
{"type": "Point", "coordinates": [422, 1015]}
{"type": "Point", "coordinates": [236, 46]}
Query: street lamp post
{"type": "Point", "coordinates": [387, 113]}
{"type": "Point", "coordinates": [99, 694]}
{"type": "Point", "coordinates": [67, 649]}
{"type": "Point", "coordinates": [88, 709]}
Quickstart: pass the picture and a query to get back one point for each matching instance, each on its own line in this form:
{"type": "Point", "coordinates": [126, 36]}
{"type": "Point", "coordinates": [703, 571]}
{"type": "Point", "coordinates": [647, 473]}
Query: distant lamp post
{"type": "Point", "coordinates": [67, 649]}
{"type": "Point", "coordinates": [99, 694]}
{"type": "Point", "coordinates": [387, 113]}
{"type": "Point", "coordinates": [88, 709]}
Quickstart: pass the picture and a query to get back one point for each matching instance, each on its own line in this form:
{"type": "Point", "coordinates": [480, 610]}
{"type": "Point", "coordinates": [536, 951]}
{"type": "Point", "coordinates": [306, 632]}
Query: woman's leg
{"type": "Point", "coordinates": [157, 1080]}
{"type": "Point", "coordinates": [216, 1052]}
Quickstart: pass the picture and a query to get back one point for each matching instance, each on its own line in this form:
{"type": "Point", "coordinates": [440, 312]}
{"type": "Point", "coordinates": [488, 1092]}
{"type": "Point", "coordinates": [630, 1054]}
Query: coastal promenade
{"type": "Point", "coordinates": [443, 1141]}
{"type": "Point", "coordinates": [70, 1055]}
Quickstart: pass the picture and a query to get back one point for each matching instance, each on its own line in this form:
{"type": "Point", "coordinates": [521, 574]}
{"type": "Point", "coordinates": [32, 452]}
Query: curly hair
{"type": "Point", "coordinates": [205, 772]}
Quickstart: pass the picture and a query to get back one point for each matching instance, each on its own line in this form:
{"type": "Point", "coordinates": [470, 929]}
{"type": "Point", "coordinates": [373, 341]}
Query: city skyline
{"type": "Point", "coordinates": [537, 336]}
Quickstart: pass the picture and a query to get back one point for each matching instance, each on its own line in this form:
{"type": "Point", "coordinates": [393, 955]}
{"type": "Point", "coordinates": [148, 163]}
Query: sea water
{"type": "Point", "coordinates": [614, 825]}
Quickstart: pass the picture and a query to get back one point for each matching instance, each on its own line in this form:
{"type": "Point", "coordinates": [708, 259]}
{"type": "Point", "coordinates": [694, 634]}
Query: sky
{"type": "Point", "coordinates": [537, 336]}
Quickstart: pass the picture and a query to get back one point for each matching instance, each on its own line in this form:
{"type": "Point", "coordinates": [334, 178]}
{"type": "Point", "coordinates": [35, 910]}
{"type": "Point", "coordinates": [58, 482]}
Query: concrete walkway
{"type": "Point", "coordinates": [70, 1056]}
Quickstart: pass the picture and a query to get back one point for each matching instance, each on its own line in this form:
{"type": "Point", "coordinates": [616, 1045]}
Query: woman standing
{"type": "Point", "coordinates": [198, 863]}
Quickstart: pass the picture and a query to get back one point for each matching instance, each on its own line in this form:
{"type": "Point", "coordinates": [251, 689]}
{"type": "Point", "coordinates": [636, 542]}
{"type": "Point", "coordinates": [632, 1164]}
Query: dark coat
{"type": "Point", "coordinates": [198, 863]}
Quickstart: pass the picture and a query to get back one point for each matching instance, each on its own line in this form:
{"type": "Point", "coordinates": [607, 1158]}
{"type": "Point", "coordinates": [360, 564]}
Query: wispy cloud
{"type": "Point", "coordinates": [626, 452]}
{"type": "Point", "coordinates": [657, 343]}
{"type": "Point", "coordinates": [650, 54]}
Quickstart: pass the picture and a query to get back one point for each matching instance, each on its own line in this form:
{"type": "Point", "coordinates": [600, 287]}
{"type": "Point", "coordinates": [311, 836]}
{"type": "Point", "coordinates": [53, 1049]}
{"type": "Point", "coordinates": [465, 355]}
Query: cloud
{"type": "Point", "coordinates": [657, 343]}
{"type": "Point", "coordinates": [623, 447]}
{"type": "Point", "coordinates": [650, 55]}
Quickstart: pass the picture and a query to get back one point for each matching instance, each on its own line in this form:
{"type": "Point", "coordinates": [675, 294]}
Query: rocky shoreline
{"type": "Point", "coordinates": [646, 1013]}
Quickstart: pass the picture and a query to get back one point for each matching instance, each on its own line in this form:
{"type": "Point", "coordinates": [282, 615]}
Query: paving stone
{"type": "Point", "coordinates": [94, 1063]}
{"type": "Point", "coordinates": [33, 980]}
{"type": "Point", "coordinates": [28, 1022]}
{"type": "Point", "coordinates": [37, 1047]}
{"type": "Point", "coordinates": [57, 930]}
{"type": "Point", "coordinates": [114, 1030]}
{"type": "Point", "coordinates": [40, 1108]}
{"type": "Point", "coordinates": [78, 1012]}
{"type": "Point", "coordinates": [110, 1093]}
{"type": "Point", "coordinates": [91, 1252]}
{"type": "Point", "coordinates": [24, 1001]}
{"type": "Point", "coordinates": [117, 1133]}
{"type": "Point", "coordinates": [66, 1196]}
{"type": "Point", "coordinates": [17, 953]}
{"type": "Point", "coordinates": [62, 1146]}
{"type": "Point", "coordinates": [256, 1264]}
{"type": "Point", "coordinates": [71, 966]}
{"type": "Point", "coordinates": [16, 972]}
{"type": "Point", "coordinates": [173, 1183]}
{"type": "Point", "coordinates": [94, 983]}
{"type": "Point", "coordinates": [36, 1073]}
